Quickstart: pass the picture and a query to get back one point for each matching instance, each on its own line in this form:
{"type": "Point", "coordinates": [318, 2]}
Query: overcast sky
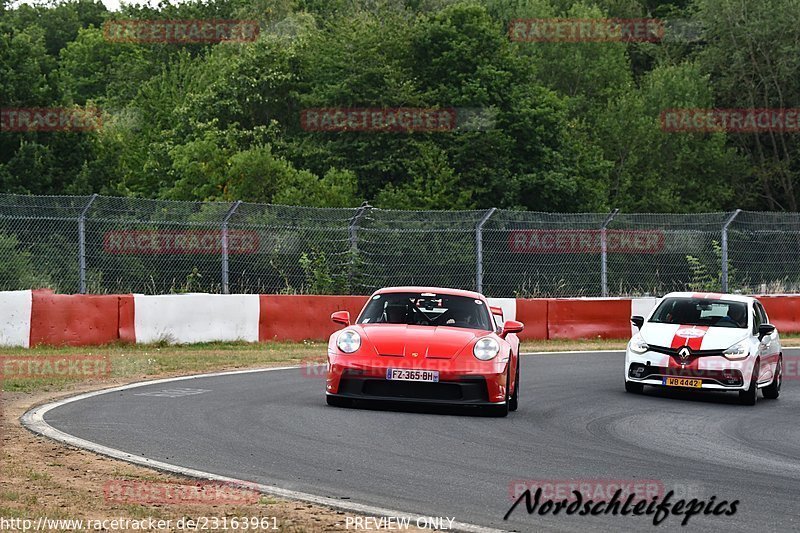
{"type": "Point", "coordinates": [112, 5]}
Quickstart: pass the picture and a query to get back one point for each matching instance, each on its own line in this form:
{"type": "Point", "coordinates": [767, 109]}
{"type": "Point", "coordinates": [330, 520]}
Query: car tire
{"type": "Point", "coordinates": [633, 388]}
{"type": "Point", "coordinates": [773, 390]}
{"type": "Point", "coordinates": [336, 401]}
{"type": "Point", "coordinates": [513, 402]}
{"type": "Point", "coordinates": [750, 396]}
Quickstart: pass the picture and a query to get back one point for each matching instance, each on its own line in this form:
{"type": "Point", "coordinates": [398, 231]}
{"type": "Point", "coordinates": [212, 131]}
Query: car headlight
{"type": "Point", "coordinates": [486, 349]}
{"type": "Point", "coordinates": [737, 352]}
{"type": "Point", "coordinates": [637, 344]}
{"type": "Point", "coordinates": [348, 341]}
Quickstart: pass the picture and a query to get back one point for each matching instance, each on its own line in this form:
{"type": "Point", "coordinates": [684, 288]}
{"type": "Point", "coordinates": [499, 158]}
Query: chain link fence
{"type": "Point", "coordinates": [102, 244]}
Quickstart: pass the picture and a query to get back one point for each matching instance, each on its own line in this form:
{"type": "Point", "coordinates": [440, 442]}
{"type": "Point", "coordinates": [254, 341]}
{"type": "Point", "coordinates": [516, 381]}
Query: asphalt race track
{"type": "Point", "coordinates": [575, 422]}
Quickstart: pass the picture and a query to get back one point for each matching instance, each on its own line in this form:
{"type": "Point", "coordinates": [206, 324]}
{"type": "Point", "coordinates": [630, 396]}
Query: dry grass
{"type": "Point", "coordinates": [138, 362]}
{"type": "Point", "coordinates": [567, 345]}
{"type": "Point", "coordinates": [42, 478]}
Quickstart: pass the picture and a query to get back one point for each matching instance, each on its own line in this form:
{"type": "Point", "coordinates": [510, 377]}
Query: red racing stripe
{"type": "Point", "coordinates": [691, 336]}
{"type": "Point", "coordinates": [708, 295]}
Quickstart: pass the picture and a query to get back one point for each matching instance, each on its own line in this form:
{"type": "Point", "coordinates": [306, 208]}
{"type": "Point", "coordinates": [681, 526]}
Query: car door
{"type": "Point", "coordinates": [769, 346]}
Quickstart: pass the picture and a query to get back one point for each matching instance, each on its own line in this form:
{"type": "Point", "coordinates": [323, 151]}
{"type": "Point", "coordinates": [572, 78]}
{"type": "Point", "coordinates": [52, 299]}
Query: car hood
{"type": "Point", "coordinates": [696, 337]}
{"type": "Point", "coordinates": [434, 342]}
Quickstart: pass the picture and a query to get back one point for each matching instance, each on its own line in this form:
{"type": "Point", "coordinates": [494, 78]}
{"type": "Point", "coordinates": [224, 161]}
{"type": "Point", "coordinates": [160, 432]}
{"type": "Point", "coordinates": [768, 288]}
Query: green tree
{"type": "Point", "coordinates": [753, 56]}
{"type": "Point", "coordinates": [432, 184]}
{"type": "Point", "coordinates": [661, 171]}
{"type": "Point", "coordinates": [92, 68]}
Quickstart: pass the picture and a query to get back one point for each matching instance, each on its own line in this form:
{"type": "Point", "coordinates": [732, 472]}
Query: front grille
{"type": "Point", "coordinates": [728, 378]}
{"type": "Point", "coordinates": [410, 389]}
{"type": "Point", "coordinates": [673, 352]}
{"type": "Point", "coordinates": [469, 390]}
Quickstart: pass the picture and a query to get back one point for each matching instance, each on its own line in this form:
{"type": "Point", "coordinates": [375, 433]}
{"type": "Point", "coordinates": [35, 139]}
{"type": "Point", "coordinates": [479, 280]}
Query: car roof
{"type": "Point", "coordinates": [711, 296]}
{"type": "Point", "coordinates": [434, 290]}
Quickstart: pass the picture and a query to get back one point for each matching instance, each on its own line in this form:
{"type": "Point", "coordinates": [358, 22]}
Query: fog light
{"type": "Point", "coordinates": [636, 371]}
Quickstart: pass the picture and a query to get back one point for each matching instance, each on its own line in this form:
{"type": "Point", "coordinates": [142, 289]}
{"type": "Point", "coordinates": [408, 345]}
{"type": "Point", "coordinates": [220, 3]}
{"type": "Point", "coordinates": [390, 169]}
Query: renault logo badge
{"type": "Point", "coordinates": [685, 352]}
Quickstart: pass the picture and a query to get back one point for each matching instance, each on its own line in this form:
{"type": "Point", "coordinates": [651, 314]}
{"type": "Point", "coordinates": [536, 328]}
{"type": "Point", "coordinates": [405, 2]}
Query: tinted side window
{"type": "Point", "coordinates": [762, 312]}
{"type": "Point", "coordinates": [756, 320]}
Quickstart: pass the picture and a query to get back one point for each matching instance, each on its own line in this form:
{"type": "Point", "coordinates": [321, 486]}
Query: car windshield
{"type": "Point", "coordinates": [427, 309]}
{"type": "Point", "coordinates": [701, 312]}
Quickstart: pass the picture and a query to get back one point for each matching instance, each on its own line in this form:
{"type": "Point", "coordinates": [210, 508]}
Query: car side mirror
{"type": "Point", "coordinates": [764, 330]}
{"type": "Point", "coordinates": [511, 326]}
{"type": "Point", "coordinates": [341, 317]}
{"type": "Point", "coordinates": [637, 321]}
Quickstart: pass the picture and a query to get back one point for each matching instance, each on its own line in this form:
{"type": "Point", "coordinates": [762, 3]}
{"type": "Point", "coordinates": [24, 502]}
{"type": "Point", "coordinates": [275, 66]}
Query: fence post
{"type": "Point", "coordinates": [82, 245]}
{"type": "Point", "coordinates": [724, 246]}
{"type": "Point", "coordinates": [479, 250]}
{"type": "Point", "coordinates": [352, 227]}
{"type": "Point", "coordinates": [225, 271]}
{"type": "Point", "coordinates": [604, 253]}
{"type": "Point", "coordinates": [352, 231]}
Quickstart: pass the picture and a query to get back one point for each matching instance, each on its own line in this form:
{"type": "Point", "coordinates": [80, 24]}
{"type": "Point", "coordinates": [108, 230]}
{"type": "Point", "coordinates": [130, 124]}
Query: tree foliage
{"type": "Point", "coordinates": [565, 126]}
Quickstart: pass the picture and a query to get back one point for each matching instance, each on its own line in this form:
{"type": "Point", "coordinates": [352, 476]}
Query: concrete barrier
{"type": "Point", "coordinates": [606, 318]}
{"type": "Point", "coordinates": [533, 313]}
{"type": "Point", "coordinates": [641, 307]}
{"type": "Point", "coordinates": [15, 318]}
{"type": "Point", "coordinates": [127, 318]}
{"type": "Point", "coordinates": [73, 319]}
{"type": "Point", "coordinates": [301, 317]}
{"type": "Point", "coordinates": [783, 312]}
{"type": "Point", "coordinates": [192, 318]}
{"type": "Point", "coordinates": [28, 318]}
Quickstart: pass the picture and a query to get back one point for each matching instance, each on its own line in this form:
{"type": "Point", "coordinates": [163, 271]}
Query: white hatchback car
{"type": "Point", "coordinates": [706, 341]}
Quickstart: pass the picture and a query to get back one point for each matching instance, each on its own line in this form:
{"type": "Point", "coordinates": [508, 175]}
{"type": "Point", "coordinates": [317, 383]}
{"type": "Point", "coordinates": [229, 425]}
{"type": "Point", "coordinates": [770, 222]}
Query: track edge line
{"type": "Point", "coordinates": [33, 421]}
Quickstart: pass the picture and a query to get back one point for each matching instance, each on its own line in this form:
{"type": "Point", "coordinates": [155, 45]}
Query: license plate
{"type": "Point", "coordinates": [399, 374]}
{"type": "Point", "coordinates": [683, 382]}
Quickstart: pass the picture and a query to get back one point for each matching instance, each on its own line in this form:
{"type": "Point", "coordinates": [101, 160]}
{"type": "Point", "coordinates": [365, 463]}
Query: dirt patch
{"type": "Point", "coordinates": [43, 478]}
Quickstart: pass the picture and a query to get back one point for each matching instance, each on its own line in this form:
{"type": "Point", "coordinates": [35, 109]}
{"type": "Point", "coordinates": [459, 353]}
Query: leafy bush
{"type": "Point", "coordinates": [319, 278]}
{"type": "Point", "coordinates": [16, 266]}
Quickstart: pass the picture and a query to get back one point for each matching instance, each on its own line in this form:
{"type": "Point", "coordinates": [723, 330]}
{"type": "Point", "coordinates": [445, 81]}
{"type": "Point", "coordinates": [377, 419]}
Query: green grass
{"type": "Point", "coordinates": [9, 496]}
{"type": "Point", "coordinates": [567, 345]}
{"type": "Point", "coordinates": [147, 361]}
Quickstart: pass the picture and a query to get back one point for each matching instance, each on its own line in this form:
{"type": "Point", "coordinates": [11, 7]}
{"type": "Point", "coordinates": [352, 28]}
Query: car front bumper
{"type": "Point", "coordinates": [461, 383]}
{"type": "Point", "coordinates": [715, 372]}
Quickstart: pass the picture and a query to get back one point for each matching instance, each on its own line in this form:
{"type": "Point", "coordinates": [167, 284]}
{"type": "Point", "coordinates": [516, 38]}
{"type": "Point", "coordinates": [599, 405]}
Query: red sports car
{"type": "Point", "coordinates": [425, 345]}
